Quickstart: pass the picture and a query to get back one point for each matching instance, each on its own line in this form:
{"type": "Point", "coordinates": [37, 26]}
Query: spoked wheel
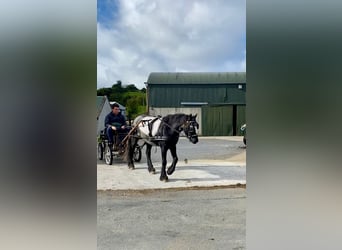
{"type": "Point", "coordinates": [108, 155]}
{"type": "Point", "coordinates": [100, 151]}
{"type": "Point", "coordinates": [137, 153]}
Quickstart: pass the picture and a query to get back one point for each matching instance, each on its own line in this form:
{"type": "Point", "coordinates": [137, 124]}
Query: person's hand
{"type": "Point", "coordinates": [113, 127]}
{"type": "Point", "coordinates": [123, 127]}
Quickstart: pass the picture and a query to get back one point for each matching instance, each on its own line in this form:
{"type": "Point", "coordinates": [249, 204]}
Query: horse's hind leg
{"type": "Point", "coordinates": [151, 169]}
{"type": "Point", "coordinates": [172, 168]}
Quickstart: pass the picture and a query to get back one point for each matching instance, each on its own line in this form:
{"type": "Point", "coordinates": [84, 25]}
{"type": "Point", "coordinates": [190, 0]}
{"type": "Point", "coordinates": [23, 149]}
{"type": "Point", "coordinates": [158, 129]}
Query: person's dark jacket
{"type": "Point", "coordinates": [115, 120]}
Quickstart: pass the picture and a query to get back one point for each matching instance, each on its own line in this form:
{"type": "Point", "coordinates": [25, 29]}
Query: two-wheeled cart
{"type": "Point", "coordinates": [108, 152]}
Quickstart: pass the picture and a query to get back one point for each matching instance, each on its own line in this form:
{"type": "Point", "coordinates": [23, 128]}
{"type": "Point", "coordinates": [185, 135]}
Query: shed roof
{"type": "Point", "coordinates": [196, 77]}
{"type": "Point", "coordinates": [100, 101]}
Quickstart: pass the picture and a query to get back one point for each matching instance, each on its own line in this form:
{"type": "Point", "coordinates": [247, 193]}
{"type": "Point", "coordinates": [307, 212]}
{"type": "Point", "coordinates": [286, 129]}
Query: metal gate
{"type": "Point", "coordinates": [240, 118]}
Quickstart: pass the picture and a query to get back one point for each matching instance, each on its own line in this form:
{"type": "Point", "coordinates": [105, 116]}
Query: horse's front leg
{"type": "Point", "coordinates": [172, 168]}
{"type": "Point", "coordinates": [151, 169]}
{"type": "Point", "coordinates": [163, 176]}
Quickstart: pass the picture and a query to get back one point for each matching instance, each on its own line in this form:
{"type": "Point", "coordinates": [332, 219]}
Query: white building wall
{"type": "Point", "coordinates": [185, 110]}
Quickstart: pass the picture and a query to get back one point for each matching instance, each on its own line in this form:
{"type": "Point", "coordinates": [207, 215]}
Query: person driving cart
{"type": "Point", "coordinates": [115, 124]}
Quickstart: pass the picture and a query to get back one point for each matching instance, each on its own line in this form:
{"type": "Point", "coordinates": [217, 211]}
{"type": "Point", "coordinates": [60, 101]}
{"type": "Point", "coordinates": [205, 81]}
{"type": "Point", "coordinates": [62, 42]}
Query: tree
{"type": "Point", "coordinates": [104, 91]}
{"type": "Point", "coordinates": [129, 96]}
{"type": "Point", "coordinates": [131, 88]}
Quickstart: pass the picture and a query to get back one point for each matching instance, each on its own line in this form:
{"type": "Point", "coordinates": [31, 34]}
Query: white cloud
{"type": "Point", "coordinates": [22, 16]}
{"type": "Point", "coordinates": [171, 35]}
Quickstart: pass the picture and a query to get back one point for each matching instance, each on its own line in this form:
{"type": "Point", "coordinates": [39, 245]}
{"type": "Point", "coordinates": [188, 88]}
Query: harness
{"type": "Point", "coordinates": [150, 124]}
{"type": "Point", "coordinates": [188, 125]}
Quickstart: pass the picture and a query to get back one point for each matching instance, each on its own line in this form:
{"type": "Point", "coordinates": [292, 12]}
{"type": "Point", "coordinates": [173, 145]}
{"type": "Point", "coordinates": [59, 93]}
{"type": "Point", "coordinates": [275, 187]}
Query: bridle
{"type": "Point", "coordinates": [190, 126]}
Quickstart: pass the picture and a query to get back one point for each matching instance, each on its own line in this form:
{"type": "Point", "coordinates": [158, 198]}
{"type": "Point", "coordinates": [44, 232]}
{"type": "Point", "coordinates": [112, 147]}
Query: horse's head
{"type": "Point", "coordinates": [189, 128]}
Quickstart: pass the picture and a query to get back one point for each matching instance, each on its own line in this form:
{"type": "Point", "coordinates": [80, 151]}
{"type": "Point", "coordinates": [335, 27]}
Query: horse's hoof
{"type": "Point", "coordinates": [164, 179]}
{"type": "Point", "coordinates": [152, 171]}
{"type": "Point", "coordinates": [131, 167]}
{"type": "Point", "coordinates": [170, 171]}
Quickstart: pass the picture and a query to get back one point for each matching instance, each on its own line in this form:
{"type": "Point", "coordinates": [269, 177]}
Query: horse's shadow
{"type": "Point", "coordinates": [215, 173]}
{"type": "Point", "coordinates": [190, 180]}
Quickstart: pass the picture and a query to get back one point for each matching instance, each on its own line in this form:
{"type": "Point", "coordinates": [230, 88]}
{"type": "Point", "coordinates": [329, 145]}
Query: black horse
{"type": "Point", "coordinates": [163, 132]}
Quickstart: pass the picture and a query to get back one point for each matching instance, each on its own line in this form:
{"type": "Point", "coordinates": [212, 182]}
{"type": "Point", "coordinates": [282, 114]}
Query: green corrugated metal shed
{"type": "Point", "coordinates": [177, 89]}
{"type": "Point", "coordinates": [196, 77]}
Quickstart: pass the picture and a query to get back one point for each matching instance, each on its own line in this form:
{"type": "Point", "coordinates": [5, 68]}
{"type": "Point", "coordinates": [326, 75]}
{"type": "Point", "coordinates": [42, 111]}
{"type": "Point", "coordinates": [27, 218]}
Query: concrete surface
{"type": "Point", "coordinates": [170, 219]}
{"type": "Point", "coordinates": [214, 161]}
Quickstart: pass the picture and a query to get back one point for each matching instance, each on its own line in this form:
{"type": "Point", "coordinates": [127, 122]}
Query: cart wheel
{"type": "Point", "coordinates": [108, 155]}
{"type": "Point", "coordinates": [100, 151]}
{"type": "Point", "coordinates": [137, 154]}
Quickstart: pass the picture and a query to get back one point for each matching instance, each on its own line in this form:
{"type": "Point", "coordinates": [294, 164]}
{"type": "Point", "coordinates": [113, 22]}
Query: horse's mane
{"type": "Point", "coordinates": [173, 118]}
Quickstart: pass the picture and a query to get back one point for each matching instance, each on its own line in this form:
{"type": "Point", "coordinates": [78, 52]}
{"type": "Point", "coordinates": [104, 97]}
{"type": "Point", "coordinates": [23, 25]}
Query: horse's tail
{"type": "Point", "coordinates": [129, 150]}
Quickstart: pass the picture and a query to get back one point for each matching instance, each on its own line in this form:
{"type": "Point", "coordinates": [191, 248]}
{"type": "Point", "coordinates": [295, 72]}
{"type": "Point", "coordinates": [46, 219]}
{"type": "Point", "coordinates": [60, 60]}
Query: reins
{"type": "Point", "coordinates": [171, 127]}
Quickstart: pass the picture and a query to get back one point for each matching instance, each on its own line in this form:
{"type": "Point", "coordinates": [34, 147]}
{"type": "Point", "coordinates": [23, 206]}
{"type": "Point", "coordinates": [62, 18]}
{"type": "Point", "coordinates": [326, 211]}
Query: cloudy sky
{"type": "Point", "coordinates": [137, 37]}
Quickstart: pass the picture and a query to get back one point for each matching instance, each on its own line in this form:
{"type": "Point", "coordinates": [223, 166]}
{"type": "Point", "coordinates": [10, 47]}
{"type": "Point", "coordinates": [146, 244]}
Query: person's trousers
{"type": "Point", "coordinates": [111, 133]}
